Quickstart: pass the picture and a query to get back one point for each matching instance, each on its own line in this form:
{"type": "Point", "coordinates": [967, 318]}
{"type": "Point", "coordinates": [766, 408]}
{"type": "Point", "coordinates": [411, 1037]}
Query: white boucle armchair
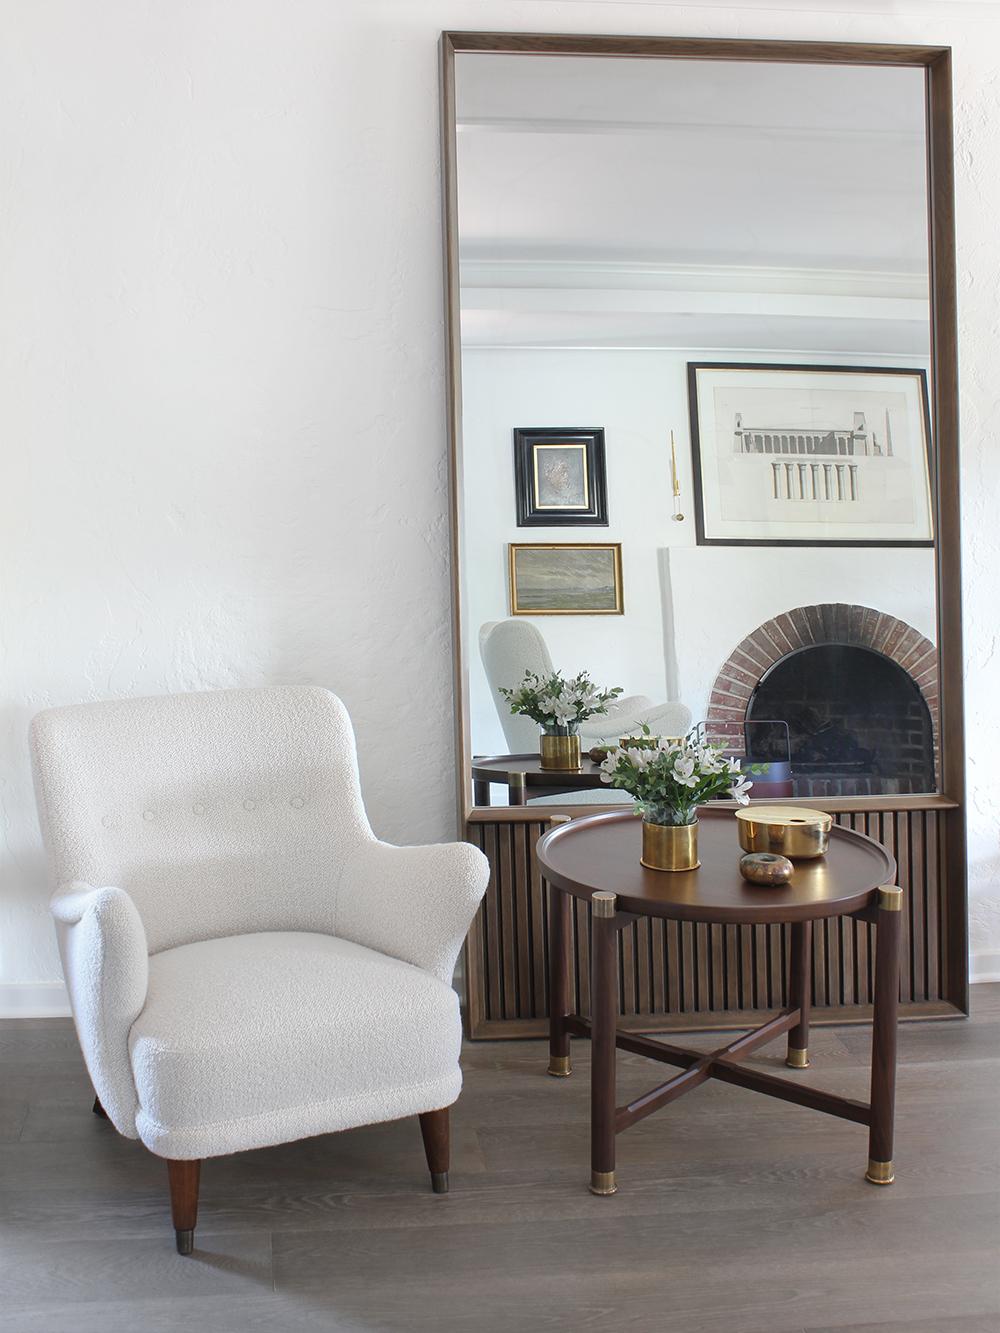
{"type": "Point", "coordinates": [246, 963]}
{"type": "Point", "coordinates": [509, 648]}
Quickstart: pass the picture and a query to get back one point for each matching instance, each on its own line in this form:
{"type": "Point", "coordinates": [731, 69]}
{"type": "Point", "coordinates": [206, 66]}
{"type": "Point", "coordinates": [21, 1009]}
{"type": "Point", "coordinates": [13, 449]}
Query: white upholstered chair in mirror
{"type": "Point", "coordinates": [247, 964]}
{"type": "Point", "coordinates": [509, 648]}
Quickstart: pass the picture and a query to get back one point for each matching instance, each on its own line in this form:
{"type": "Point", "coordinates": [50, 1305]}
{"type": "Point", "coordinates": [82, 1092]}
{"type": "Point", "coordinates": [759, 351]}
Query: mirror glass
{"type": "Point", "coordinates": [696, 444]}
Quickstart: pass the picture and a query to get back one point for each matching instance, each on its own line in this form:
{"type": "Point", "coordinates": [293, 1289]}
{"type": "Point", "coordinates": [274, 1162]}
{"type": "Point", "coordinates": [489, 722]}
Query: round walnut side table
{"type": "Point", "coordinates": [597, 859]}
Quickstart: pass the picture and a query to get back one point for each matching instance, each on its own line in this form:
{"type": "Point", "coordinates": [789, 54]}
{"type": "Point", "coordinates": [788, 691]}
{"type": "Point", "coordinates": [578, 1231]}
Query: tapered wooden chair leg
{"type": "Point", "coordinates": [435, 1129]}
{"type": "Point", "coordinates": [799, 994]}
{"type": "Point", "coordinates": [185, 1177]}
{"type": "Point", "coordinates": [98, 1109]}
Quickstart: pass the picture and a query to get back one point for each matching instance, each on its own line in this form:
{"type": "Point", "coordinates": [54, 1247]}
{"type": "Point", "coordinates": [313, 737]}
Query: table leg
{"type": "Point", "coordinates": [560, 907]}
{"type": "Point", "coordinates": [517, 790]}
{"type": "Point", "coordinates": [799, 994]}
{"type": "Point", "coordinates": [604, 1014]}
{"type": "Point", "coordinates": [883, 1099]}
{"type": "Point", "coordinates": [480, 792]}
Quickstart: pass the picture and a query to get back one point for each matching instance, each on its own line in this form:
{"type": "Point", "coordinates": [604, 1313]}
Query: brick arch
{"type": "Point", "coordinates": [808, 627]}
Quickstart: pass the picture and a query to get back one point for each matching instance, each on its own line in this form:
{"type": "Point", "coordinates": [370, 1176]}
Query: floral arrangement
{"type": "Point", "coordinates": [670, 779]}
{"type": "Point", "coordinates": [556, 704]}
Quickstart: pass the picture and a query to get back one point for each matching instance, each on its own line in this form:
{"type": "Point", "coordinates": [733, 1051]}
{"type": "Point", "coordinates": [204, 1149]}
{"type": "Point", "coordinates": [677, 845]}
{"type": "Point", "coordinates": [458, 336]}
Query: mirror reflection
{"type": "Point", "coordinates": [697, 452]}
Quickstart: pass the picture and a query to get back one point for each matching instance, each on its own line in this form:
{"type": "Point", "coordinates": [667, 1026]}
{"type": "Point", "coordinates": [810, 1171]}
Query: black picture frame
{"type": "Point", "coordinates": [698, 459]}
{"type": "Point", "coordinates": [585, 502]}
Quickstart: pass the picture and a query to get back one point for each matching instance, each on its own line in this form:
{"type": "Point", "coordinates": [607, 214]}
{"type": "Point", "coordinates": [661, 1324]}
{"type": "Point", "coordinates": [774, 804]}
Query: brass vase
{"type": "Point", "coordinates": [559, 752]}
{"type": "Point", "coordinates": [670, 846]}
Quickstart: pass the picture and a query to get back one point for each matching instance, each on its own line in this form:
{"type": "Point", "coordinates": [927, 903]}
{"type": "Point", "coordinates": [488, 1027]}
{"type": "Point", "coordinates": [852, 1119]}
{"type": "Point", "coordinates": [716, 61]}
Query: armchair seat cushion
{"type": "Point", "coordinates": [259, 1039]}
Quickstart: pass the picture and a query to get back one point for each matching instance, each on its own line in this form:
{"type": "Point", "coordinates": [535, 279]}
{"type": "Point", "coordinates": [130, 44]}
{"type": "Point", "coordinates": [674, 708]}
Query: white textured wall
{"type": "Point", "coordinates": [221, 370]}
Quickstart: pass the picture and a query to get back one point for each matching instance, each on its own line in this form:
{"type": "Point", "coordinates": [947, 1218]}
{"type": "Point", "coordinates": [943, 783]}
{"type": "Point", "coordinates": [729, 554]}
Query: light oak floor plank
{"type": "Point", "coordinates": [735, 1214]}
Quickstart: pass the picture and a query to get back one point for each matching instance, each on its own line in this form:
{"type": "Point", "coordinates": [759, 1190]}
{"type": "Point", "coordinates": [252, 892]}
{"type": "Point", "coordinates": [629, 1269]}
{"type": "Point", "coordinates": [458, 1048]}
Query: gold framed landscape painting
{"type": "Point", "coordinates": [566, 579]}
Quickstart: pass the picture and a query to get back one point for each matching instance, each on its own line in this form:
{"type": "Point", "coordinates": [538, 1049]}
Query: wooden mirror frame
{"type": "Point", "coordinates": [948, 803]}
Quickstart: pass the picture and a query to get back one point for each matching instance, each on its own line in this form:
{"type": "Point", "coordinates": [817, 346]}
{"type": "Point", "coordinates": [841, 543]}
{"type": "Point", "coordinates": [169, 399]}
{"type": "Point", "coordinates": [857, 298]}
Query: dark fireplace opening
{"type": "Point", "coordinates": [857, 722]}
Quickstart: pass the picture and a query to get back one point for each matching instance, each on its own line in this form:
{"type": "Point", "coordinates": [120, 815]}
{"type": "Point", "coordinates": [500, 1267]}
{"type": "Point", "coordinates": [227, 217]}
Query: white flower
{"type": "Point", "coordinates": [684, 770]}
{"type": "Point", "coordinates": [564, 712]}
{"type": "Point", "coordinates": [738, 791]}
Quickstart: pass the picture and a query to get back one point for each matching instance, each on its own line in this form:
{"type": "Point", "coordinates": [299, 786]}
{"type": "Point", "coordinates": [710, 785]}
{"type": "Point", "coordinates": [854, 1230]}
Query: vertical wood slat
{"type": "Point", "coordinates": [682, 968]}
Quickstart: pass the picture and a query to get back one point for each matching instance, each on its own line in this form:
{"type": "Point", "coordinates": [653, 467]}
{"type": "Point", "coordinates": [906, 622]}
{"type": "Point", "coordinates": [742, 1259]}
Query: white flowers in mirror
{"type": "Point", "coordinates": [671, 778]}
{"type": "Point", "coordinates": [559, 705]}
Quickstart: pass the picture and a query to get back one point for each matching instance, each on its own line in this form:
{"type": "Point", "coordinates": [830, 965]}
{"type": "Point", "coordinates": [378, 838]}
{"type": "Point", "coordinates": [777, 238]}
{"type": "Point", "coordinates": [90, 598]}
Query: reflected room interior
{"type": "Point", "coordinates": [721, 268]}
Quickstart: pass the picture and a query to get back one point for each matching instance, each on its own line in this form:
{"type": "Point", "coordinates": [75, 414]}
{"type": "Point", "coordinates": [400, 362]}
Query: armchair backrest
{"type": "Point", "coordinates": [219, 813]}
{"type": "Point", "coordinates": [509, 648]}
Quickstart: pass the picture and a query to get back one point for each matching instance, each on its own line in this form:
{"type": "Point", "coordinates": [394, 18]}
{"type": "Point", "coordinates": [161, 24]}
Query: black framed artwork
{"type": "Point", "coordinates": [560, 478]}
{"type": "Point", "coordinates": [810, 455]}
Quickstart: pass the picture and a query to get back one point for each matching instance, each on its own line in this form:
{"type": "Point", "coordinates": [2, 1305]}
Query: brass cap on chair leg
{"type": "Point", "coordinates": [879, 1173]}
{"type": "Point", "coordinates": [797, 1059]}
{"type": "Point", "coordinates": [602, 1182]}
{"type": "Point", "coordinates": [185, 1240]}
{"type": "Point", "coordinates": [560, 1066]}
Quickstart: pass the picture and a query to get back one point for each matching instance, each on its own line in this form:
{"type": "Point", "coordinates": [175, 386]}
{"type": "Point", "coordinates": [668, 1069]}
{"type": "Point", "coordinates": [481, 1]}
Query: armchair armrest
{"type": "Point", "coordinates": [412, 903]}
{"type": "Point", "coordinates": [105, 960]}
{"type": "Point", "coordinates": [671, 719]}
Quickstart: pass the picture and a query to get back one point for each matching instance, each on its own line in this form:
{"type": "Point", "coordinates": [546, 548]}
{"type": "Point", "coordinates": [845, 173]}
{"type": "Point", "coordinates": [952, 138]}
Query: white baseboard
{"type": "Point", "coordinates": [33, 999]}
{"type": "Point", "coordinates": [48, 999]}
{"type": "Point", "coordinates": [985, 966]}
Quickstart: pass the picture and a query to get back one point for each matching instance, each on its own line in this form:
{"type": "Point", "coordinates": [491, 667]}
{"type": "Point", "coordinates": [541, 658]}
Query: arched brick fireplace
{"type": "Point", "coordinates": [893, 750]}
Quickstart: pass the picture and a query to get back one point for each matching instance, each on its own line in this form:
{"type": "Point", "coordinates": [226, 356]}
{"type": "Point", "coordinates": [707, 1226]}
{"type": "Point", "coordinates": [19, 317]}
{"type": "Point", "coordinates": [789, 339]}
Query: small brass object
{"type": "Point", "coordinates": [603, 1182]}
{"type": "Point", "coordinates": [670, 846]}
{"type": "Point", "coordinates": [880, 1173]}
{"type": "Point", "coordinates": [766, 869]}
{"type": "Point", "coordinates": [603, 904]}
{"type": "Point", "coordinates": [559, 752]}
{"type": "Point", "coordinates": [786, 830]}
{"type": "Point", "coordinates": [560, 1066]}
{"type": "Point", "coordinates": [796, 1059]}
{"type": "Point", "coordinates": [890, 899]}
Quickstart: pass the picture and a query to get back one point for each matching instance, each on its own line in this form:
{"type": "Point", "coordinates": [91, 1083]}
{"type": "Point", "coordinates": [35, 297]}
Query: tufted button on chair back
{"type": "Point", "coordinates": [220, 813]}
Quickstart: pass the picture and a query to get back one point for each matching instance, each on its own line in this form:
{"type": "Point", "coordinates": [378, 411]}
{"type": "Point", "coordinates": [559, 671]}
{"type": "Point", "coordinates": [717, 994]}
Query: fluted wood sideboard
{"type": "Point", "coordinates": [676, 975]}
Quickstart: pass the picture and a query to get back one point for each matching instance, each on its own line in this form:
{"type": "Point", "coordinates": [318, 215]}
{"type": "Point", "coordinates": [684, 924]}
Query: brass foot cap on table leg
{"type": "Point", "coordinates": [879, 1173]}
{"type": "Point", "coordinates": [560, 1066]}
{"type": "Point", "coordinates": [185, 1240]}
{"type": "Point", "coordinates": [796, 1059]}
{"type": "Point", "coordinates": [602, 1182]}
{"type": "Point", "coordinates": [439, 1182]}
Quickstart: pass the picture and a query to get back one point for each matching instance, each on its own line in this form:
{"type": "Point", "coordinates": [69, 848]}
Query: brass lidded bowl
{"type": "Point", "coordinates": [786, 830]}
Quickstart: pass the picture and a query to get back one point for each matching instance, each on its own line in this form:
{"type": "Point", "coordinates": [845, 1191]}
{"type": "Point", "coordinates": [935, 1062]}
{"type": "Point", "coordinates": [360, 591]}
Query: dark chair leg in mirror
{"type": "Point", "coordinates": [98, 1109]}
{"type": "Point", "coordinates": [799, 994]}
{"type": "Point", "coordinates": [185, 1177]}
{"type": "Point", "coordinates": [883, 1102]}
{"type": "Point", "coordinates": [436, 1132]}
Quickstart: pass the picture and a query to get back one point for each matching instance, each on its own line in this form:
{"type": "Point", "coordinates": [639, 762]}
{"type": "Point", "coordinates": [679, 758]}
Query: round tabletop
{"type": "Point", "coordinates": [498, 768]}
{"type": "Point", "coordinates": [600, 853]}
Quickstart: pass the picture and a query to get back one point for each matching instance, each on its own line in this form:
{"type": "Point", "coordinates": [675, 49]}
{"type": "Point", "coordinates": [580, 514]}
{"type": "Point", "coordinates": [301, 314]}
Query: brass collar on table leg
{"type": "Point", "coordinates": [797, 1059]}
{"type": "Point", "coordinates": [560, 1066]}
{"type": "Point", "coordinates": [890, 899]}
{"type": "Point", "coordinates": [880, 1173]}
{"type": "Point", "coordinates": [602, 1182]}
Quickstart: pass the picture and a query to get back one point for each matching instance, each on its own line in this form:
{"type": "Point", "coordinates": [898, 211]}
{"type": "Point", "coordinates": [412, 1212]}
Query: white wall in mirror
{"type": "Point", "coordinates": [686, 606]}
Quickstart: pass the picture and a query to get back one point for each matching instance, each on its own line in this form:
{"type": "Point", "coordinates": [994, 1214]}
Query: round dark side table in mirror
{"type": "Point", "coordinates": [596, 859]}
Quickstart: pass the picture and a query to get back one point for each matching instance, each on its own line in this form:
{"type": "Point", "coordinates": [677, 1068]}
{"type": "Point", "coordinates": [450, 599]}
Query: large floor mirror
{"type": "Point", "coordinates": [701, 308]}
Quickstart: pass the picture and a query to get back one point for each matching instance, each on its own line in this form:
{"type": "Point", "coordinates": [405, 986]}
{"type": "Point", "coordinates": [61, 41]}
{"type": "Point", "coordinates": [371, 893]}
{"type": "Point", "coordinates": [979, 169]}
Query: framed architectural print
{"type": "Point", "coordinates": [810, 455]}
{"type": "Point", "coordinates": [560, 478]}
{"type": "Point", "coordinates": [566, 580]}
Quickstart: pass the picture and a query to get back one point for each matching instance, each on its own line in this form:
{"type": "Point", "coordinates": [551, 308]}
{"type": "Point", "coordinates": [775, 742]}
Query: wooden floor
{"type": "Point", "coordinates": [735, 1213]}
